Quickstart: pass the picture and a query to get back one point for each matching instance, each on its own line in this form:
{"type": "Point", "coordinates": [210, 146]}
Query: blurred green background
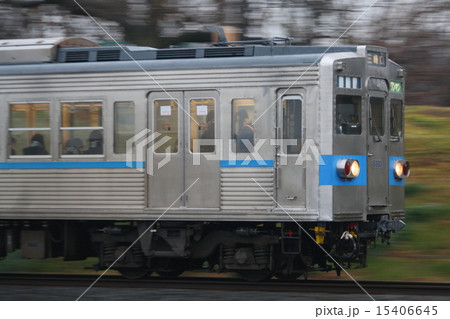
{"type": "Point", "coordinates": [420, 251]}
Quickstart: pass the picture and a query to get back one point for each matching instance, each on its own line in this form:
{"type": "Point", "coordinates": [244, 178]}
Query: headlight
{"type": "Point", "coordinates": [401, 169]}
{"type": "Point", "coordinates": [348, 168]}
{"type": "Point", "coordinates": [398, 169]}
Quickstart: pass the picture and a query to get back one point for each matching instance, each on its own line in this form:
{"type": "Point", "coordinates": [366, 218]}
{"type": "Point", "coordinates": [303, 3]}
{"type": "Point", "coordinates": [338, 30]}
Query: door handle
{"type": "Point", "coordinates": [369, 154]}
{"type": "Point", "coordinates": [290, 197]}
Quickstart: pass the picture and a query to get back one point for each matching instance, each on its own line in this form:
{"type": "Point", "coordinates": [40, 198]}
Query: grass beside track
{"type": "Point", "coordinates": [420, 251]}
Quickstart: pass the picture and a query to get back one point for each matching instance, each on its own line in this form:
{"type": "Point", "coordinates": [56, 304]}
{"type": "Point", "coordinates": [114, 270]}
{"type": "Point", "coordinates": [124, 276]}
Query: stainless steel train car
{"type": "Point", "coordinates": [261, 158]}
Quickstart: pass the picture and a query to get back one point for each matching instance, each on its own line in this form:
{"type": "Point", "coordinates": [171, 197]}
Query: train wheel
{"type": "Point", "coordinates": [134, 273]}
{"type": "Point", "coordinates": [170, 268]}
{"type": "Point", "coordinates": [255, 275]}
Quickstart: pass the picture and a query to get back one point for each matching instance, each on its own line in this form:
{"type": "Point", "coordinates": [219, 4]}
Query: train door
{"type": "Point", "coordinates": [178, 163]}
{"type": "Point", "coordinates": [201, 166]}
{"type": "Point", "coordinates": [377, 152]}
{"type": "Point", "coordinates": [165, 160]}
{"type": "Point", "coordinates": [290, 171]}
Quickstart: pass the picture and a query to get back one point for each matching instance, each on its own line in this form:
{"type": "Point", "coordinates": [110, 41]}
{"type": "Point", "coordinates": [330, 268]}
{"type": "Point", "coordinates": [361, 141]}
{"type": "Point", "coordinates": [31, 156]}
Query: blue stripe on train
{"type": "Point", "coordinates": [247, 163]}
{"type": "Point", "coordinates": [392, 180]}
{"type": "Point", "coordinates": [328, 174]}
{"type": "Point", "coordinates": [61, 165]}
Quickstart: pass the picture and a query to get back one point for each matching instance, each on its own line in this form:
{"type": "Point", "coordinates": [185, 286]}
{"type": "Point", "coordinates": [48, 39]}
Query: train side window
{"type": "Point", "coordinates": [292, 123]}
{"type": "Point", "coordinates": [348, 114]}
{"type": "Point", "coordinates": [29, 128]}
{"type": "Point", "coordinates": [203, 124]}
{"type": "Point", "coordinates": [82, 128]}
{"type": "Point", "coordinates": [166, 124]}
{"type": "Point", "coordinates": [242, 130]}
{"type": "Point", "coordinates": [123, 125]}
{"type": "Point", "coordinates": [396, 119]}
{"type": "Point", "coordinates": [376, 116]}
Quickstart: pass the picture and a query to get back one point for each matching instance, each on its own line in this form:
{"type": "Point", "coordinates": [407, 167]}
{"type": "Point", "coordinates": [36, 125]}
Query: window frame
{"type": "Point", "coordinates": [335, 116]}
{"type": "Point", "coordinates": [26, 129]}
{"type": "Point", "coordinates": [115, 104]}
{"type": "Point", "coordinates": [79, 128]}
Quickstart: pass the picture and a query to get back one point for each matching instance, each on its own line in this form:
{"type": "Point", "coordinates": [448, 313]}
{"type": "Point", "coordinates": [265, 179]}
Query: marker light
{"type": "Point", "coordinates": [406, 168]}
{"type": "Point", "coordinates": [347, 168]}
{"type": "Point", "coordinates": [401, 169]}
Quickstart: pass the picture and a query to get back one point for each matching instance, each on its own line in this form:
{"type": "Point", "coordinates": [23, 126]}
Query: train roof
{"type": "Point", "coordinates": [37, 50]}
{"type": "Point", "coordinates": [60, 55]}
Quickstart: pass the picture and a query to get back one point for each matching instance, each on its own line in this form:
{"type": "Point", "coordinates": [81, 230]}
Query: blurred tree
{"type": "Point", "coordinates": [415, 32]}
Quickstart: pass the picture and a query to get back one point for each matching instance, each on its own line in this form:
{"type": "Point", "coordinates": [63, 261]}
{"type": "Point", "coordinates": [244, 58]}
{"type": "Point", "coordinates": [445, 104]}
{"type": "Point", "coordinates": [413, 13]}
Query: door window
{"type": "Point", "coordinates": [292, 123]}
{"type": "Point", "coordinates": [243, 132]}
{"type": "Point", "coordinates": [166, 124]}
{"type": "Point", "coordinates": [202, 125]}
{"type": "Point", "coordinates": [376, 116]}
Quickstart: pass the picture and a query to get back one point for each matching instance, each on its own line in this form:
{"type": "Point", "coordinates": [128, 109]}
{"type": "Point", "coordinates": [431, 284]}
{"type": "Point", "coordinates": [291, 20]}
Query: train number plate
{"type": "Point", "coordinates": [377, 163]}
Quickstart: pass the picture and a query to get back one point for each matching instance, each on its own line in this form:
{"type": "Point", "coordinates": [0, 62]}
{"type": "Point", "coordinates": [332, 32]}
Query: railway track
{"type": "Point", "coordinates": [232, 284]}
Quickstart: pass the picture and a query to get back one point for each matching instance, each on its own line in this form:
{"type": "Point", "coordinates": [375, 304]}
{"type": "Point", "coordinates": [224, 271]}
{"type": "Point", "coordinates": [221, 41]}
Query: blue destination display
{"type": "Point", "coordinates": [61, 165]}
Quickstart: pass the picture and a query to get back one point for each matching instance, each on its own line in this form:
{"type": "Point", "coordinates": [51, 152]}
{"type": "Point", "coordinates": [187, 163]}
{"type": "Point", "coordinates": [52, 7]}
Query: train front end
{"type": "Point", "coordinates": [365, 168]}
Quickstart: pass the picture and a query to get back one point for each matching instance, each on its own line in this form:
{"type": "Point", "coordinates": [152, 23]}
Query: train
{"type": "Point", "coordinates": [261, 158]}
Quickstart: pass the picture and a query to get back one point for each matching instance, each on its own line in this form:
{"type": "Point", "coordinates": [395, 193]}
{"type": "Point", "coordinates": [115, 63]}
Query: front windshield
{"type": "Point", "coordinates": [348, 114]}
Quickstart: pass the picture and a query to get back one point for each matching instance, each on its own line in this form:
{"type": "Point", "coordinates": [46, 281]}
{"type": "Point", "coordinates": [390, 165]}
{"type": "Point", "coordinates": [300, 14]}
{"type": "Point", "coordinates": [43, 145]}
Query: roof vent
{"type": "Point", "coordinates": [176, 54]}
{"type": "Point", "coordinates": [77, 56]}
{"type": "Point", "coordinates": [224, 52]}
{"type": "Point", "coordinates": [108, 55]}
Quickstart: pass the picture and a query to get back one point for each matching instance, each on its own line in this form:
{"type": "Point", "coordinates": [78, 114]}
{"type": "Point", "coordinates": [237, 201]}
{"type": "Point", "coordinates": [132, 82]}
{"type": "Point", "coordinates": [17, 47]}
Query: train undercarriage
{"type": "Point", "coordinates": [254, 251]}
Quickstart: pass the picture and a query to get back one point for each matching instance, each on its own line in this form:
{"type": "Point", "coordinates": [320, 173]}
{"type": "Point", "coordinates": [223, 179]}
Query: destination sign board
{"type": "Point", "coordinates": [376, 58]}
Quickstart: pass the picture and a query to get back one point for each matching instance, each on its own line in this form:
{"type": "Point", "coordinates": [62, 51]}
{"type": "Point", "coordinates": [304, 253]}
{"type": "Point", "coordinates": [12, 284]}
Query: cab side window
{"type": "Point", "coordinates": [396, 119]}
{"type": "Point", "coordinates": [29, 129]}
{"type": "Point", "coordinates": [82, 128]}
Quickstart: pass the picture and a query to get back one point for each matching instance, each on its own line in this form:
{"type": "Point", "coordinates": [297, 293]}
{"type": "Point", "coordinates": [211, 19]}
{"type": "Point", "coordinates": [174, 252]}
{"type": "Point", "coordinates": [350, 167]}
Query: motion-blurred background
{"type": "Point", "coordinates": [417, 34]}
